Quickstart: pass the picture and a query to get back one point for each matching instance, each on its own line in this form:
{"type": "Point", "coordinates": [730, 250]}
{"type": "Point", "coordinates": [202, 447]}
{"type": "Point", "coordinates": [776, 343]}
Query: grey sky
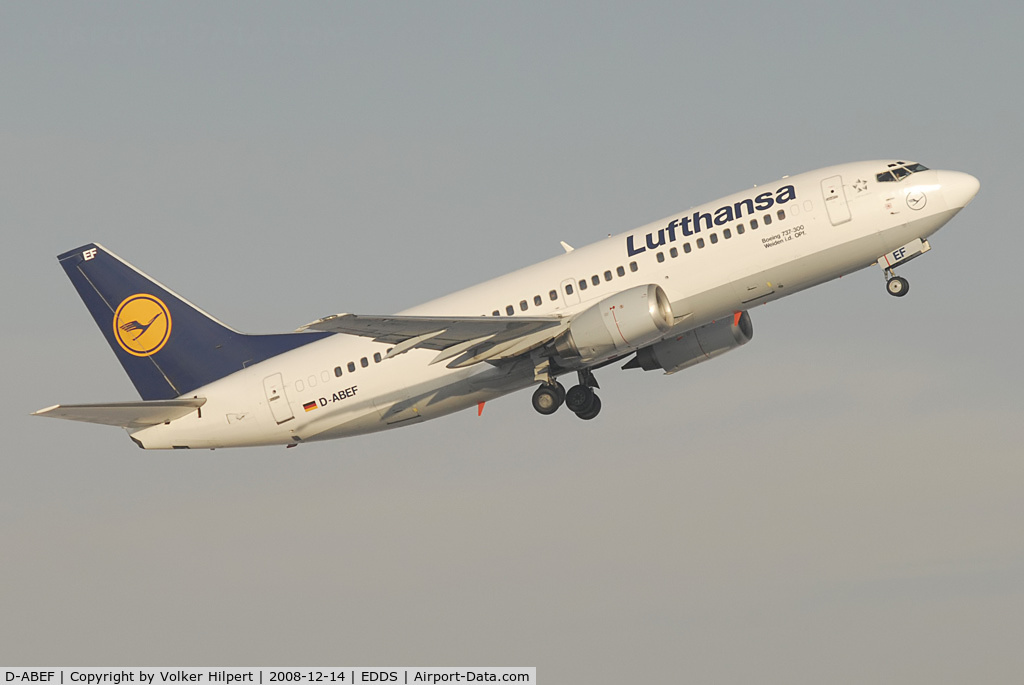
{"type": "Point", "coordinates": [839, 501]}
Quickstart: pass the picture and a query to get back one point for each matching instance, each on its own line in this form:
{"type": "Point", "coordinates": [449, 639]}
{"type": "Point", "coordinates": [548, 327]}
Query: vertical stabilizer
{"type": "Point", "coordinates": [167, 346]}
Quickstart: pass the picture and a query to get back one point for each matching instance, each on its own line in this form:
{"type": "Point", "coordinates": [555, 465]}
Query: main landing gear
{"type": "Point", "coordinates": [548, 397]}
{"type": "Point", "coordinates": [896, 285]}
{"type": "Point", "coordinates": [580, 399]}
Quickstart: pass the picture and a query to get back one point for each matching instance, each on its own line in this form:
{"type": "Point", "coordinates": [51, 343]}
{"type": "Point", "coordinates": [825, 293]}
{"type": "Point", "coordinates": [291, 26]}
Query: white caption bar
{"type": "Point", "coordinates": [346, 675]}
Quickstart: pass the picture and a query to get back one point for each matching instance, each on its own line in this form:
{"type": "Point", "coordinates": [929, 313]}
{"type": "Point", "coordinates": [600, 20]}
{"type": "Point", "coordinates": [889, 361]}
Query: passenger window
{"type": "Point", "coordinates": [661, 257]}
{"type": "Point", "coordinates": [510, 310]}
{"type": "Point", "coordinates": [595, 279]}
{"type": "Point", "coordinates": [727, 234]}
{"type": "Point", "coordinates": [686, 248]}
{"type": "Point", "coordinates": [739, 229]}
{"type": "Point", "coordinates": [620, 271]}
{"type": "Point", "coordinates": [351, 367]}
{"type": "Point", "coordinates": [324, 376]}
{"type": "Point", "coordinates": [536, 300]}
{"type": "Point", "coordinates": [607, 275]}
{"type": "Point", "coordinates": [364, 362]}
{"type": "Point", "coordinates": [312, 381]}
{"type": "Point", "coordinates": [337, 371]}
{"type": "Point", "coordinates": [767, 219]}
{"type": "Point", "coordinates": [553, 295]}
{"type": "Point", "coordinates": [495, 313]}
{"type": "Point", "coordinates": [673, 253]}
{"type": "Point", "coordinates": [782, 214]}
{"type": "Point", "coordinates": [523, 305]}
{"type": "Point", "coordinates": [376, 357]}
{"type": "Point", "coordinates": [700, 242]}
{"type": "Point", "coordinates": [583, 284]}
{"type": "Point", "coordinates": [714, 238]}
{"type": "Point", "coordinates": [299, 386]}
{"type": "Point", "coordinates": [568, 288]}
{"type": "Point", "coordinates": [753, 224]}
{"type": "Point", "coordinates": [632, 266]}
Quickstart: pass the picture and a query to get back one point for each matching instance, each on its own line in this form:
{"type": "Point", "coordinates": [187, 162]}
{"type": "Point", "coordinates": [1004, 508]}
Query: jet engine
{"type": "Point", "coordinates": [617, 324]}
{"type": "Point", "coordinates": [692, 347]}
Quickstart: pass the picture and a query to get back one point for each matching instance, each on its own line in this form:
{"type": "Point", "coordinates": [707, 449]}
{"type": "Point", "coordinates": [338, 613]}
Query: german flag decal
{"type": "Point", "coordinates": [309, 406]}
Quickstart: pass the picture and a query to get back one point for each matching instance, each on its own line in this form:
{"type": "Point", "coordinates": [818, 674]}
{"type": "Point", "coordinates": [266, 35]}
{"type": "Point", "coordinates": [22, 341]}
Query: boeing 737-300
{"type": "Point", "coordinates": [666, 296]}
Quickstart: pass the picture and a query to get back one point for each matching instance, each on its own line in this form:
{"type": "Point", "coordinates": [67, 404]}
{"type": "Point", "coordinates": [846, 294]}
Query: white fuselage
{"type": "Point", "coordinates": [820, 225]}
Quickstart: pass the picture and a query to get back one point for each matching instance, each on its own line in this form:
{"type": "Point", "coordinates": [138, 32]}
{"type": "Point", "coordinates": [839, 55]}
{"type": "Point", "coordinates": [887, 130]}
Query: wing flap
{"type": "Point", "coordinates": [125, 414]}
{"type": "Point", "coordinates": [506, 349]}
{"type": "Point", "coordinates": [439, 331]}
{"type": "Point", "coordinates": [479, 337]}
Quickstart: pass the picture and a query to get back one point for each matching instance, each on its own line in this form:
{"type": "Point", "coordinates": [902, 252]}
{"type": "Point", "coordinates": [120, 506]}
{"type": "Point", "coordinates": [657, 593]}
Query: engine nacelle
{"type": "Point", "coordinates": [693, 347]}
{"type": "Point", "coordinates": [617, 324]}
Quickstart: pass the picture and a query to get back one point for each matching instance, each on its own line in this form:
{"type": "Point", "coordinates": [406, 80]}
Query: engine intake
{"type": "Point", "coordinates": [617, 324]}
{"type": "Point", "coordinates": [693, 347]}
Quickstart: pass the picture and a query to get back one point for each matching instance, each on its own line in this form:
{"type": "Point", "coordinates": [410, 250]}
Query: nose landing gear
{"type": "Point", "coordinates": [897, 286]}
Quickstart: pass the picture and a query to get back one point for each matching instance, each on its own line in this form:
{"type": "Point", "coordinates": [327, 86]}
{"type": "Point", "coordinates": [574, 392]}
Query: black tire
{"type": "Point", "coordinates": [594, 410]}
{"type": "Point", "coordinates": [547, 399]}
{"type": "Point", "coordinates": [897, 286]}
{"type": "Point", "coordinates": [579, 398]}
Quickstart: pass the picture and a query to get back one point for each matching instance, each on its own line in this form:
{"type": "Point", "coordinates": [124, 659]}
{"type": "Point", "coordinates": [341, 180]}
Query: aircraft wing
{"type": "Point", "coordinates": [469, 340]}
{"type": "Point", "coordinates": [125, 414]}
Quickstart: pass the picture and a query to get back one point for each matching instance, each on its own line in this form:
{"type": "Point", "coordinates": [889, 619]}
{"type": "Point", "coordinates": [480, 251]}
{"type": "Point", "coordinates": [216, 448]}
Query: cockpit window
{"type": "Point", "coordinates": [899, 170]}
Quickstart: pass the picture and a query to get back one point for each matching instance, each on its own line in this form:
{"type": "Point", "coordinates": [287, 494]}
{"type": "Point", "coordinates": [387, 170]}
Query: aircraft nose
{"type": "Point", "coordinates": [958, 188]}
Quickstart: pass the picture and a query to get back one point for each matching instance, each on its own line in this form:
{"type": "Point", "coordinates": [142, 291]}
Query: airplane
{"type": "Point", "coordinates": [664, 296]}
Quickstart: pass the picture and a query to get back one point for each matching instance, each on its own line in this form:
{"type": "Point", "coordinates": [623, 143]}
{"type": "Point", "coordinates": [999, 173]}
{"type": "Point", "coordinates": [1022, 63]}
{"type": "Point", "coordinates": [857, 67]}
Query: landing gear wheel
{"type": "Point", "coordinates": [548, 398]}
{"type": "Point", "coordinates": [579, 398]}
{"type": "Point", "coordinates": [595, 409]}
{"type": "Point", "coordinates": [897, 286]}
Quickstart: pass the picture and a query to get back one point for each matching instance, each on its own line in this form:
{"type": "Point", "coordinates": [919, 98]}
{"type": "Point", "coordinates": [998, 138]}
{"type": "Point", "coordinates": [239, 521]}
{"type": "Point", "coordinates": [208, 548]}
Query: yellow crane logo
{"type": "Point", "coordinates": [142, 325]}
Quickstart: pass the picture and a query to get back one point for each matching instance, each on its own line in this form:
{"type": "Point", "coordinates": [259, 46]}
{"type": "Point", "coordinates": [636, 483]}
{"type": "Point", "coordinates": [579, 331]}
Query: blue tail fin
{"type": "Point", "coordinates": [167, 346]}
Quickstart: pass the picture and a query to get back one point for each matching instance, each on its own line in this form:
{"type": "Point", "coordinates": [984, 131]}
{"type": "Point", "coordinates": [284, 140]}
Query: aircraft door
{"type": "Point", "coordinates": [570, 295]}
{"type": "Point", "coordinates": [835, 200]}
{"type": "Point", "coordinates": [277, 399]}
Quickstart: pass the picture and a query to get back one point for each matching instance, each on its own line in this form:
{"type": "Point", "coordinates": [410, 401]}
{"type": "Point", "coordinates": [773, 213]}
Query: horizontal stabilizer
{"type": "Point", "coordinates": [125, 414]}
